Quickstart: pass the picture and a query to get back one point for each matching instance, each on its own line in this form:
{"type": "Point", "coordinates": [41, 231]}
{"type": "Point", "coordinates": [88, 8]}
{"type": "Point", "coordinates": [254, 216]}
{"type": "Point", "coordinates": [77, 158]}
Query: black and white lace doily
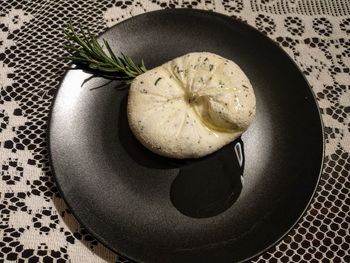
{"type": "Point", "coordinates": [36, 226]}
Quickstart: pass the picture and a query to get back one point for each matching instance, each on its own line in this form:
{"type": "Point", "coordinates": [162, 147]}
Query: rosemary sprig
{"type": "Point", "coordinates": [85, 49]}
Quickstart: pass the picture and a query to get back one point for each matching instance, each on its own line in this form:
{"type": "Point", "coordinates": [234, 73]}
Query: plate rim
{"type": "Point", "coordinates": [236, 19]}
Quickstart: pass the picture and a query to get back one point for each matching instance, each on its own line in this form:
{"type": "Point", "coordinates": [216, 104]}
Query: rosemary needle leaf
{"type": "Point", "coordinates": [85, 49]}
{"type": "Point", "coordinates": [143, 67]}
{"type": "Point", "coordinates": [110, 51]}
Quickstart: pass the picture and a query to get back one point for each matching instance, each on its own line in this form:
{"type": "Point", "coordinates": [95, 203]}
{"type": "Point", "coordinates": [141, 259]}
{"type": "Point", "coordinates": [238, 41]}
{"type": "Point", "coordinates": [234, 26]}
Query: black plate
{"type": "Point", "coordinates": [154, 209]}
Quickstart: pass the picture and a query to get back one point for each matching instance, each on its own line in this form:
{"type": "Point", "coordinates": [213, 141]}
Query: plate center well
{"type": "Point", "coordinates": [204, 187]}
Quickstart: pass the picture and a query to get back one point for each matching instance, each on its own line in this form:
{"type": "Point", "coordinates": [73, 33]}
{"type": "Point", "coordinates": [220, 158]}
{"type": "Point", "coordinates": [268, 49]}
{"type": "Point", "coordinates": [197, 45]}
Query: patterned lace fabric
{"type": "Point", "coordinates": [35, 224]}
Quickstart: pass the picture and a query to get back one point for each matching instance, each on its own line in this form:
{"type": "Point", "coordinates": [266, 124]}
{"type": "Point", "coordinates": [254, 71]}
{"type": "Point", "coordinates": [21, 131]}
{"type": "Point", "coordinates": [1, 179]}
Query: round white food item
{"type": "Point", "coordinates": [190, 106]}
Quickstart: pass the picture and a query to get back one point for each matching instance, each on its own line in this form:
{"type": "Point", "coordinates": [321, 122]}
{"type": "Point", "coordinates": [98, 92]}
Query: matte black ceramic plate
{"type": "Point", "coordinates": [154, 209]}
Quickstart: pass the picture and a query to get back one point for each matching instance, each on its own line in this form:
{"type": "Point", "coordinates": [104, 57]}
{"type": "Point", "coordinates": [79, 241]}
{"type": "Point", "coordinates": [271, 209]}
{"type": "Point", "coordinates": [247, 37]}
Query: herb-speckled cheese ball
{"type": "Point", "coordinates": [190, 106]}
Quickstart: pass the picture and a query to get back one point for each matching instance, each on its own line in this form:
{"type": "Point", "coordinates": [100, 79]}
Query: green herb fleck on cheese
{"type": "Point", "coordinates": [155, 83]}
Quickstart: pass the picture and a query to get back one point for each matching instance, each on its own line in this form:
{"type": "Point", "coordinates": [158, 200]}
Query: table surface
{"type": "Point", "coordinates": [35, 224]}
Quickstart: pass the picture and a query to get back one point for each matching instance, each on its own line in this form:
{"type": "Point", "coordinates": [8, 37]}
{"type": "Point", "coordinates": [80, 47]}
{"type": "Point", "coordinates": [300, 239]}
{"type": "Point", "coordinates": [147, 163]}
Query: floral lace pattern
{"type": "Point", "coordinates": [35, 224]}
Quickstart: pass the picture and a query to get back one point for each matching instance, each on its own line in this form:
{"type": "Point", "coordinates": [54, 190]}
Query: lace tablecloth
{"type": "Point", "coordinates": [35, 224]}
